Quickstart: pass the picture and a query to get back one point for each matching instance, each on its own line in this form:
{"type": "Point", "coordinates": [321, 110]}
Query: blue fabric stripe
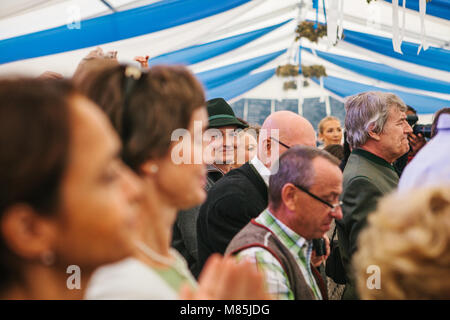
{"type": "Point", "coordinates": [385, 73]}
{"type": "Point", "coordinates": [220, 76]}
{"type": "Point", "coordinates": [345, 88]}
{"type": "Point", "coordinates": [437, 8]}
{"type": "Point", "coordinates": [432, 57]}
{"type": "Point", "coordinates": [208, 50]}
{"type": "Point", "coordinates": [239, 86]}
{"type": "Point", "coordinates": [113, 27]}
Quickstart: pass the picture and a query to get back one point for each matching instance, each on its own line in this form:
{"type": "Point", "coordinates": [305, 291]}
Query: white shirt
{"type": "Point", "coordinates": [262, 169]}
{"type": "Point", "coordinates": [431, 165]}
{"type": "Point", "coordinates": [129, 279]}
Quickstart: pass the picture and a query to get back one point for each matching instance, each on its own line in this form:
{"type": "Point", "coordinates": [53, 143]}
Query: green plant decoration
{"type": "Point", "coordinates": [306, 30]}
{"type": "Point", "coordinates": [315, 70]}
{"type": "Point", "coordinates": [287, 70]}
{"type": "Point", "coordinates": [287, 85]}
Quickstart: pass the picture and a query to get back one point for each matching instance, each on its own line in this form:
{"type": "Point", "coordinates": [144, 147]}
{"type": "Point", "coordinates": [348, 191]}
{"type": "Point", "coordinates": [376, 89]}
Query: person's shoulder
{"type": "Point", "coordinates": [258, 254]}
{"type": "Point", "coordinates": [234, 181]}
{"type": "Point", "coordinates": [359, 168]}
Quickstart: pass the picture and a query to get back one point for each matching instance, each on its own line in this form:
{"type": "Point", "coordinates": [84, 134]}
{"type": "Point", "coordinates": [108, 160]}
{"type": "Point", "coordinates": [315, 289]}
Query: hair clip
{"type": "Point", "coordinates": [133, 72]}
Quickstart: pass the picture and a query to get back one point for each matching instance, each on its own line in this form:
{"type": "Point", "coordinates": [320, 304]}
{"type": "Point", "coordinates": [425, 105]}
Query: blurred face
{"type": "Point", "coordinates": [245, 149]}
{"type": "Point", "coordinates": [393, 140]}
{"type": "Point", "coordinates": [183, 184]}
{"type": "Point", "coordinates": [99, 194]}
{"type": "Point", "coordinates": [313, 218]}
{"type": "Point", "coordinates": [222, 141]}
{"type": "Point", "coordinates": [332, 132]}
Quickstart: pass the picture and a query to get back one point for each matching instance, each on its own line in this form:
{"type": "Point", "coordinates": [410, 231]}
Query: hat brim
{"type": "Point", "coordinates": [223, 122]}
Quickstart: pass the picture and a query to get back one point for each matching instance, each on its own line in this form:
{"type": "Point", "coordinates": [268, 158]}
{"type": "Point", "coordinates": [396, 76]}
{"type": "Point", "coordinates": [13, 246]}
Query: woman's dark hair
{"type": "Point", "coordinates": [336, 150]}
{"type": "Point", "coordinates": [145, 108]}
{"type": "Point", "coordinates": [34, 147]}
{"type": "Point", "coordinates": [347, 152]}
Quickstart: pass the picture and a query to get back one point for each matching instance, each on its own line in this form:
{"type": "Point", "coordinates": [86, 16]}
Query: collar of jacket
{"type": "Point", "coordinates": [371, 157]}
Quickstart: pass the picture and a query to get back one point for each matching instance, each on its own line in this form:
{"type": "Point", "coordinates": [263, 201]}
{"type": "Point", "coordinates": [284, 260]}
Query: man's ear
{"type": "Point", "coordinates": [289, 196]}
{"type": "Point", "coordinates": [27, 233]}
{"type": "Point", "coordinates": [264, 151]}
{"type": "Point", "coordinates": [373, 134]}
{"type": "Point", "coordinates": [268, 146]}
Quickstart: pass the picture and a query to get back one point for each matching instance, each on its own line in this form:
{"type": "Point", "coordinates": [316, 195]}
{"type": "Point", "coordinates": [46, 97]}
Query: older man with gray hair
{"type": "Point", "coordinates": [377, 132]}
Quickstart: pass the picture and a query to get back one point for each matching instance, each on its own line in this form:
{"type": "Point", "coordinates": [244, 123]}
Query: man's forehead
{"type": "Point", "coordinates": [395, 111]}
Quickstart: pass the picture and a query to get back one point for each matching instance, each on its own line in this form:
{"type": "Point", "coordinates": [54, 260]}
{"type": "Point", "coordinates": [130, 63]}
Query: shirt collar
{"type": "Point", "coordinates": [262, 169]}
{"type": "Point", "coordinates": [295, 237]}
{"type": "Point", "coordinates": [371, 157]}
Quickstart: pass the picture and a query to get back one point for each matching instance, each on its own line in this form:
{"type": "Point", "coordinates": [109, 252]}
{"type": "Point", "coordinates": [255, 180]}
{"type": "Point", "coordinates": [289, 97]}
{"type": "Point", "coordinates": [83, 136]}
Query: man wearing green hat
{"type": "Point", "coordinates": [224, 124]}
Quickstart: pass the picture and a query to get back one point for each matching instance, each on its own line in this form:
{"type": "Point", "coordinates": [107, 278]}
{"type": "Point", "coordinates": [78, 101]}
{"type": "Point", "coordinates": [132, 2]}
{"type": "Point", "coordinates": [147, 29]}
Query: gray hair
{"type": "Point", "coordinates": [368, 111]}
{"type": "Point", "coordinates": [295, 166]}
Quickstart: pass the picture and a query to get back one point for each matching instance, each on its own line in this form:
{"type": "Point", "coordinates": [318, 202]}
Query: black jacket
{"type": "Point", "coordinates": [232, 202]}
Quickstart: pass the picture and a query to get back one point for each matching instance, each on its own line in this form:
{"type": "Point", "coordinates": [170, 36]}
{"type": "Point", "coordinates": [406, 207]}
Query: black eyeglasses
{"type": "Point", "coordinates": [332, 206]}
{"type": "Point", "coordinates": [283, 144]}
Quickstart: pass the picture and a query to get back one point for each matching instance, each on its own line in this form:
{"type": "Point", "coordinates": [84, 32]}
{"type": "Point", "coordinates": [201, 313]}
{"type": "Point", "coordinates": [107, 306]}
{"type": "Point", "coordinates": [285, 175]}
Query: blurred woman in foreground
{"type": "Point", "coordinates": [404, 252]}
{"type": "Point", "coordinates": [67, 203]}
{"type": "Point", "coordinates": [160, 116]}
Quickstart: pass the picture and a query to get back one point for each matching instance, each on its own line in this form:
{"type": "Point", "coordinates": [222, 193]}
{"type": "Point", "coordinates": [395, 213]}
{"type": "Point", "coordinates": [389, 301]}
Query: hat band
{"type": "Point", "coordinates": [219, 116]}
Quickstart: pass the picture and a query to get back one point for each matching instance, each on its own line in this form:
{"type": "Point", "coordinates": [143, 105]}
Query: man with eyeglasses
{"type": "Point", "coordinates": [303, 201]}
{"type": "Point", "coordinates": [242, 193]}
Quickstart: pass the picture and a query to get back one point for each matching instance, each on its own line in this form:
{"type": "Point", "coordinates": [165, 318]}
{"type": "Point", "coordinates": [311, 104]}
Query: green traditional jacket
{"type": "Point", "coordinates": [367, 178]}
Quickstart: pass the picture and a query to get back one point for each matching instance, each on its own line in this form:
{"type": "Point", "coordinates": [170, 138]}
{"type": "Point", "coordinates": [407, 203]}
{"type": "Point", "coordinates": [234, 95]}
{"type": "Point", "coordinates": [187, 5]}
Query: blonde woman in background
{"type": "Point", "coordinates": [330, 131]}
{"type": "Point", "coordinates": [408, 239]}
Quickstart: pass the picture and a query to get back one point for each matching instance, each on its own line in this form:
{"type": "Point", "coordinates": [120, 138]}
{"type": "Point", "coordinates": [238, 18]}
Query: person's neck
{"type": "Point", "coordinates": [46, 283]}
{"type": "Point", "coordinates": [374, 150]}
{"type": "Point", "coordinates": [158, 217]}
{"type": "Point", "coordinates": [288, 218]}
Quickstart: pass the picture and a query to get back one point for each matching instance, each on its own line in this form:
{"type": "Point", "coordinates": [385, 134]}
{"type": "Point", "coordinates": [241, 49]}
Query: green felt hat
{"type": "Point", "coordinates": [220, 114]}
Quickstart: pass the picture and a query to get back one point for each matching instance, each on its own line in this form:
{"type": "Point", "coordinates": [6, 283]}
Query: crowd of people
{"type": "Point", "coordinates": [130, 176]}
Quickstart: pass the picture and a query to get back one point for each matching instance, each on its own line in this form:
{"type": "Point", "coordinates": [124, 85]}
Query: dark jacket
{"type": "Point", "coordinates": [232, 202]}
{"type": "Point", "coordinates": [366, 179]}
{"type": "Point", "coordinates": [184, 236]}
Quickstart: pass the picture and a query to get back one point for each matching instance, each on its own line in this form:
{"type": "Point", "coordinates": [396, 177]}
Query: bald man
{"type": "Point", "coordinates": [242, 194]}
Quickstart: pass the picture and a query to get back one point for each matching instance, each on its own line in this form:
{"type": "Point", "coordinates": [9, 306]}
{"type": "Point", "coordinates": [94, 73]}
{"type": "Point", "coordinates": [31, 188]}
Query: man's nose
{"type": "Point", "coordinates": [337, 213]}
{"type": "Point", "coordinates": [408, 128]}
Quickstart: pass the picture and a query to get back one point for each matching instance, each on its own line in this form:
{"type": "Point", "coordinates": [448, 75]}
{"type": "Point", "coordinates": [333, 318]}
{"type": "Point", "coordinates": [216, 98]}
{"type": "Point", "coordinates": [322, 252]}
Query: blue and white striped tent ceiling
{"type": "Point", "coordinates": [234, 46]}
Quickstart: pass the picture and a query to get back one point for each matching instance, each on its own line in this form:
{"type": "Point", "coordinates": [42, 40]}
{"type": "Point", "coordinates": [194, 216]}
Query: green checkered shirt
{"type": "Point", "coordinates": [276, 279]}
